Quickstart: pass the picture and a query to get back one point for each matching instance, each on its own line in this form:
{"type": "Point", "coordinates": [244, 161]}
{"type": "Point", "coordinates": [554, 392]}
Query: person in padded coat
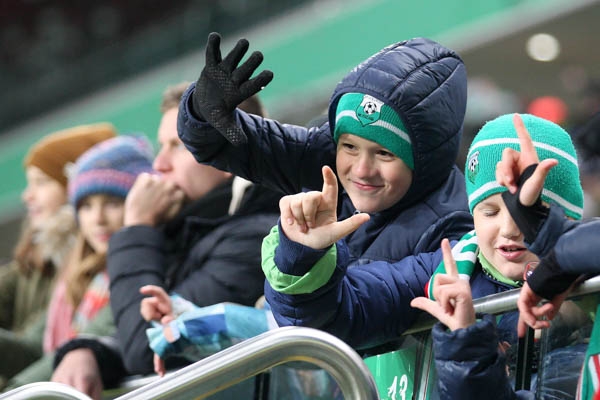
{"type": "Point", "coordinates": [467, 358]}
{"type": "Point", "coordinates": [417, 88]}
{"type": "Point", "coordinates": [208, 252]}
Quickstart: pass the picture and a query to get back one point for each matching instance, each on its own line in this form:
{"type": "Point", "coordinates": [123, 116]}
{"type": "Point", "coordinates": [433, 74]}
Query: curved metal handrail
{"type": "Point", "coordinates": [502, 302]}
{"type": "Point", "coordinates": [258, 354]}
{"type": "Point", "coordinates": [44, 390]}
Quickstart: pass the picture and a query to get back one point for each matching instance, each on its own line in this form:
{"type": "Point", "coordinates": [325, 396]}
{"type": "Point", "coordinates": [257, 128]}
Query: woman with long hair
{"type": "Point", "coordinates": [46, 239]}
{"type": "Point", "coordinates": [98, 185]}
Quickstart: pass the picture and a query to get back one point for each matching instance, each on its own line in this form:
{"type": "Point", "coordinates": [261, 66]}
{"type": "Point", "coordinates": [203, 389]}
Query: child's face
{"type": "Point", "coordinates": [500, 239]}
{"type": "Point", "coordinates": [99, 217]}
{"type": "Point", "coordinates": [374, 178]}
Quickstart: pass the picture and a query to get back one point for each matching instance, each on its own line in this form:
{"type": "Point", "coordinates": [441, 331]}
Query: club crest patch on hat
{"type": "Point", "coordinates": [473, 166]}
{"type": "Point", "coordinates": [369, 110]}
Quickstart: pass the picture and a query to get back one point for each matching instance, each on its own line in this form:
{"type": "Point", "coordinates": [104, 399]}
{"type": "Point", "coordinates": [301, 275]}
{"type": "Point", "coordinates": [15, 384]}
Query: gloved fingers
{"type": "Point", "coordinates": [231, 60]}
{"type": "Point", "coordinates": [245, 71]}
{"type": "Point", "coordinates": [213, 49]}
{"type": "Point", "coordinates": [256, 84]}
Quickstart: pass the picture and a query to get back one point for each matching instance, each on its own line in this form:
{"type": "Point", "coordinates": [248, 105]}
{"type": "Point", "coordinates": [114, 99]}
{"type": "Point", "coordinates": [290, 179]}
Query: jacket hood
{"type": "Point", "coordinates": [426, 84]}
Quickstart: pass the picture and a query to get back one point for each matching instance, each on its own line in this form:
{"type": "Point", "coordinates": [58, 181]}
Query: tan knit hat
{"type": "Point", "coordinates": [54, 151]}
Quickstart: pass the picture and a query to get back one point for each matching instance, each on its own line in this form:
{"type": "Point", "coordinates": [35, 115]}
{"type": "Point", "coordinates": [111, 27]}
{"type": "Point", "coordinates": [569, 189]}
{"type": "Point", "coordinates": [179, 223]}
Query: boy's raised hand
{"type": "Point", "coordinates": [453, 305]}
{"type": "Point", "coordinates": [513, 163]}
{"type": "Point", "coordinates": [223, 85]}
{"type": "Point", "coordinates": [311, 218]}
{"type": "Point", "coordinates": [158, 306]}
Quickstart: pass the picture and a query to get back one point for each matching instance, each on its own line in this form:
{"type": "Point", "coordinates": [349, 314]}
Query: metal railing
{"type": "Point", "coordinates": [502, 302]}
{"type": "Point", "coordinates": [269, 350]}
{"type": "Point", "coordinates": [45, 391]}
{"type": "Point", "coordinates": [258, 354]}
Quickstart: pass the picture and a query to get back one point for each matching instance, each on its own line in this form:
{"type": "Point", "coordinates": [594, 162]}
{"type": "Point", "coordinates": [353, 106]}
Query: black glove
{"type": "Point", "coordinates": [529, 219]}
{"type": "Point", "coordinates": [223, 85]}
{"type": "Point", "coordinates": [548, 280]}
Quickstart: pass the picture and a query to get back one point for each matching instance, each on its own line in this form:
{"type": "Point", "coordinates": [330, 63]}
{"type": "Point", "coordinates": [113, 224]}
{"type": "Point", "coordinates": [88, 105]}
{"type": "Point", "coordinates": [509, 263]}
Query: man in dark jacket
{"type": "Point", "coordinates": [424, 85]}
{"type": "Point", "coordinates": [208, 253]}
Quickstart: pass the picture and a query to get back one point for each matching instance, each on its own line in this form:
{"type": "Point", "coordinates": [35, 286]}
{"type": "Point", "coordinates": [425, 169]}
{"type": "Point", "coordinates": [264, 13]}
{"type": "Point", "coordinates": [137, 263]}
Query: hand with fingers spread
{"type": "Point", "coordinates": [158, 306]}
{"type": "Point", "coordinates": [514, 163]}
{"type": "Point", "coordinates": [311, 218]}
{"type": "Point", "coordinates": [223, 85]}
{"type": "Point", "coordinates": [453, 305]}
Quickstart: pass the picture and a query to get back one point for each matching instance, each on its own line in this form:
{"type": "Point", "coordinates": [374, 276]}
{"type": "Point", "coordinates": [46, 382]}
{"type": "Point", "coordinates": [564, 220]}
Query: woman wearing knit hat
{"type": "Point", "coordinates": [46, 239]}
{"type": "Point", "coordinates": [98, 185]}
{"type": "Point", "coordinates": [392, 137]}
{"type": "Point", "coordinates": [508, 223]}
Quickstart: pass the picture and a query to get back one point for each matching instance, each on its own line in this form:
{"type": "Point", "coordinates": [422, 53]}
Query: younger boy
{"type": "Point", "coordinates": [467, 358]}
{"type": "Point", "coordinates": [494, 255]}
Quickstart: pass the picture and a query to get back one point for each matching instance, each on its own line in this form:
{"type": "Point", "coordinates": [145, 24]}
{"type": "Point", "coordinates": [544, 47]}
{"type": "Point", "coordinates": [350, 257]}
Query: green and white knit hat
{"type": "Point", "coordinates": [562, 185]}
{"type": "Point", "coordinates": [365, 116]}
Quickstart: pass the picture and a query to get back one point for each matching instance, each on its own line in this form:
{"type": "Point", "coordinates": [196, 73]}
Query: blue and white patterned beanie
{"type": "Point", "coordinates": [562, 186]}
{"type": "Point", "coordinates": [110, 167]}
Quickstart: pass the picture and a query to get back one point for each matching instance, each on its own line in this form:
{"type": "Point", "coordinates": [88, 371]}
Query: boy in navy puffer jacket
{"type": "Point", "coordinates": [392, 137]}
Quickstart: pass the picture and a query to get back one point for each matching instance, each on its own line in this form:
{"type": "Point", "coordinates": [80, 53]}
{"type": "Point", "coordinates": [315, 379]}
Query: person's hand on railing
{"type": "Point", "coordinates": [310, 218]}
{"type": "Point", "coordinates": [453, 304]}
{"type": "Point", "coordinates": [79, 369]}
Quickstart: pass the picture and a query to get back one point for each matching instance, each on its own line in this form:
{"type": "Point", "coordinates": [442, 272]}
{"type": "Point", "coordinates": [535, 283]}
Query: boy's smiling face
{"type": "Point", "coordinates": [500, 239]}
{"type": "Point", "coordinates": [374, 178]}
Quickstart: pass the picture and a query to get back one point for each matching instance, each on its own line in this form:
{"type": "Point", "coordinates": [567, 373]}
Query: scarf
{"type": "Point", "coordinates": [63, 321]}
{"type": "Point", "coordinates": [589, 381]}
{"type": "Point", "coordinates": [466, 254]}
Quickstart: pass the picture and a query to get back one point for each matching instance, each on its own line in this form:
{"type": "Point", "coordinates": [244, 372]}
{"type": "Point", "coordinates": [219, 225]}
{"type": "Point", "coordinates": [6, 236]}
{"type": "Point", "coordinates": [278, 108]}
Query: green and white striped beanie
{"type": "Point", "coordinates": [562, 185]}
{"type": "Point", "coordinates": [365, 116]}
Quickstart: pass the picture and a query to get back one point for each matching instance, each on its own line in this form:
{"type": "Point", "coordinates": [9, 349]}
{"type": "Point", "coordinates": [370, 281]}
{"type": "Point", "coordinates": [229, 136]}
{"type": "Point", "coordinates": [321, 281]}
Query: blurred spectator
{"type": "Point", "coordinates": [98, 185]}
{"type": "Point", "coordinates": [207, 250]}
{"type": "Point", "coordinates": [46, 240]}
